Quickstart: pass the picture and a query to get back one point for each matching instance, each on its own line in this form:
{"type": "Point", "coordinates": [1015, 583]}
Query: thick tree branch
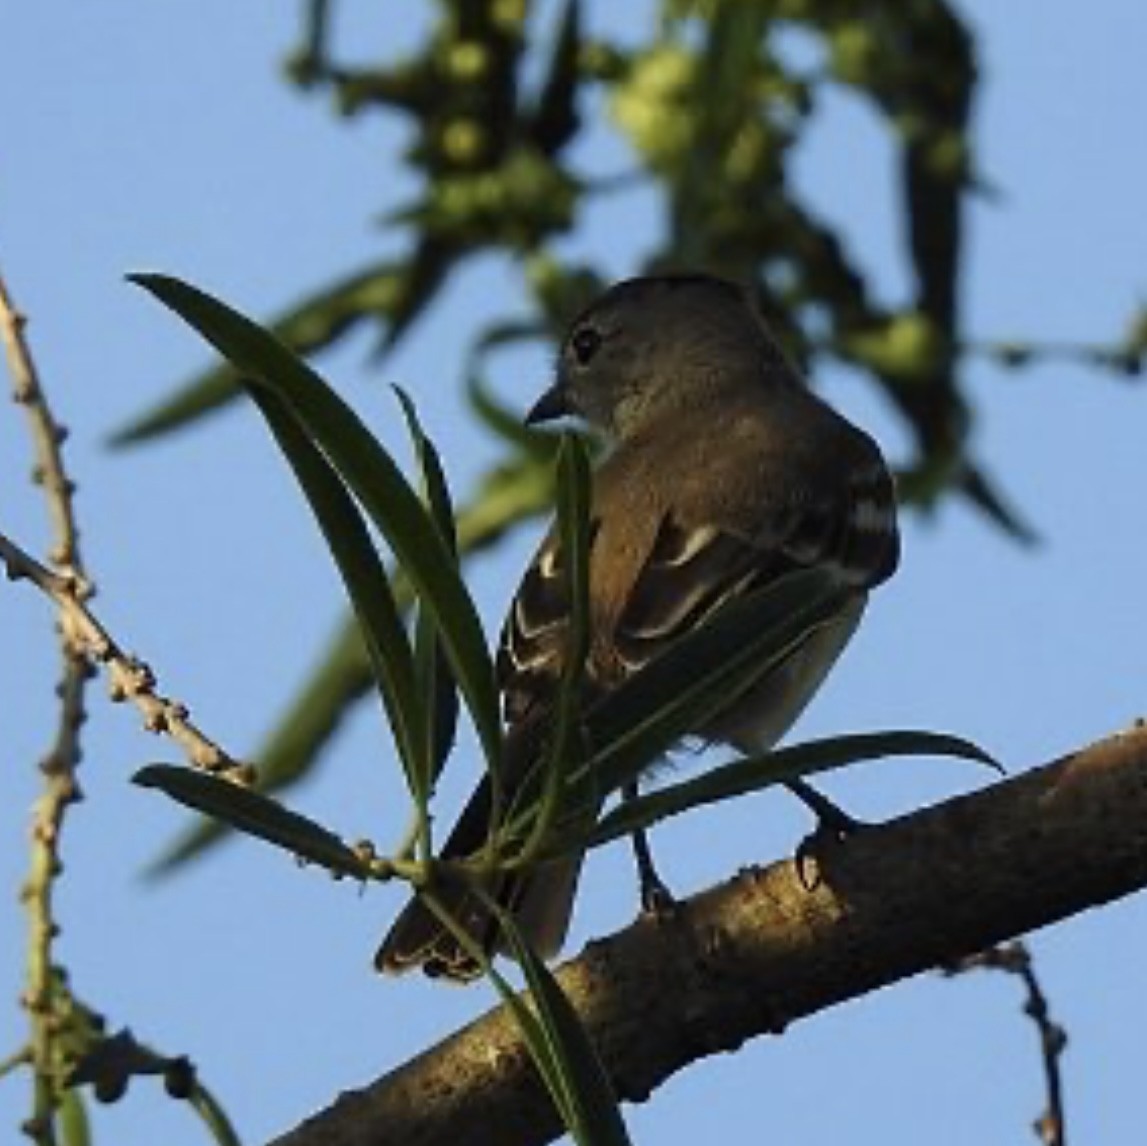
{"type": "Point", "coordinates": [760, 951]}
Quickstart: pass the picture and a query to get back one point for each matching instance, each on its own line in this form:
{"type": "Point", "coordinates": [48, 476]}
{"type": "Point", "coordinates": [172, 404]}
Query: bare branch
{"type": "Point", "coordinates": [60, 763]}
{"type": "Point", "coordinates": [129, 678]}
{"type": "Point", "coordinates": [761, 951]}
{"type": "Point", "coordinates": [1016, 959]}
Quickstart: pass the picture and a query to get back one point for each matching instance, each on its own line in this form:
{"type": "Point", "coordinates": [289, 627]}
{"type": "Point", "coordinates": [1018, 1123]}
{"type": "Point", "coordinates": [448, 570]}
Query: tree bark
{"type": "Point", "coordinates": [754, 954]}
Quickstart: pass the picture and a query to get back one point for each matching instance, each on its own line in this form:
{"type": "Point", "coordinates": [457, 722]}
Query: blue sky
{"type": "Point", "coordinates": [143, 136]}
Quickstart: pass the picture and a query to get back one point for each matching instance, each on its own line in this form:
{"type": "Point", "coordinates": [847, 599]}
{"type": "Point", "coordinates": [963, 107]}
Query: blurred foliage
{"type": "Point", "coordinates": [712, 106]}
{"type": "Point", "coordinates": [87, 1062]}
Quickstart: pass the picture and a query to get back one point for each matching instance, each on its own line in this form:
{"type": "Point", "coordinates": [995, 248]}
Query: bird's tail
{"type": "Point", "coordinates": [540, 900]}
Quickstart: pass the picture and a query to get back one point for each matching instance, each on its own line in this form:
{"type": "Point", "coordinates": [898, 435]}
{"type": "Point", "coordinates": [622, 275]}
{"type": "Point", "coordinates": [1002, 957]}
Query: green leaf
{"type": "Point", "coordinates": [753, 773]}
{"type": "Point", "coordinates": [573, 523]}
{"type": "Point", "coordinates": [372, 476]}
{"type": "Point", "coordinates": [436, 682]}
{"type": "Point", "coordinates": [367, 585]}
{"type": "Point", "coordinates": [565, 750]}
{"type": "Point", "coordinates": [689, 684]}
{"type": "Point", "coordinates": [982, 491]}
{"type": "Point", "coordinates": [254, 815]}
{"type": "Point", "coordinates": [553, 1034]}
{"type": "Point", "coordinates": [560, 1046]}
{"type": "Point", "coordinates": [209, 393]}
{"type": "Point", "coordinates": [213, 1116]}
{"type": "Point", "coordinates": [342, 676]}
{"type": "Point", "coordinates": [436, 490]}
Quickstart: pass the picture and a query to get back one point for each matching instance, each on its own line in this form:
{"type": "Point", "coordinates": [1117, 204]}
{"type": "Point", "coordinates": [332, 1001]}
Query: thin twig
{"type": "Point", "coordinates": [17, 1059]}
{"type": "Point", "coordinates": [83, 640]}
{"type": "Point", "coordinates": [129, 678]}
{"type": "Point", "coordinates": [63, 758]}
{"type": "Point", "coordinates": [1016, 959]}
{"type": "Point", "coordinates": [1125, 359]}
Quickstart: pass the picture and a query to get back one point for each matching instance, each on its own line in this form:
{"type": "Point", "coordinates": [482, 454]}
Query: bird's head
{"type": "Point", "coordinates": [651, 346]}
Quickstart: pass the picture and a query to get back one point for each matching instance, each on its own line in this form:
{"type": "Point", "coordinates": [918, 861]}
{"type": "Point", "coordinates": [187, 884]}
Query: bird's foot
{"type": "Point", "coordinates": [833, 827]}
{"type": "Point", "coordinates": [657, 901]}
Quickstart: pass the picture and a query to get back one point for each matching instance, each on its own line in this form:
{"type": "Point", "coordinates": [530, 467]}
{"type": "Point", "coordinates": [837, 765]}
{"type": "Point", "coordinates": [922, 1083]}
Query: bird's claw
{"type": "Point", "coordinates": [657, 901]}
{"type": "Point", "coordinates": [834, 827]}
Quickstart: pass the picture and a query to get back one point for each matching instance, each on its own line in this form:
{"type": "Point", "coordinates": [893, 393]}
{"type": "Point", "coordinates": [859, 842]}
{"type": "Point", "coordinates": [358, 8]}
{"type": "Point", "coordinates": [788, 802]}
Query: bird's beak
{"type": "Point", "coordinates": [554, 403]}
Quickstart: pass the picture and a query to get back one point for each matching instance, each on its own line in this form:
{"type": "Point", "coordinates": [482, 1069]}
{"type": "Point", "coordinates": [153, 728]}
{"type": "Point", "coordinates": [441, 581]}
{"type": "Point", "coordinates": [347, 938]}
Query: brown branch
{"type": "Point", "coordinates": [761, 951]}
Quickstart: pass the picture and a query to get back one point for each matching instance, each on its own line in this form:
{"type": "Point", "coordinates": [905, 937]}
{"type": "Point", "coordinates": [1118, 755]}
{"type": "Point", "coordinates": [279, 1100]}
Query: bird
{"type": "Point", "coordinates": [723, 472]}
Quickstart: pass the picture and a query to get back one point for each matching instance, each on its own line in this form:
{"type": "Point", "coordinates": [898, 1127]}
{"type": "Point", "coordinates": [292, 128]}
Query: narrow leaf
{"type": "Point", "coordinates": [370, 473]}
{"type": "Point", "coordinates": [424, 271]}
{"type": "Point", "coordinates": [341, 677]}
{"type": "Point", "coordinates": [527, 1021]}
{"type": "Point", "coordinates": [507, 495]}
{"type": "Point", "coordinates": [553, 1034]}
{"type": "Point", "coordinates": [753, 773]}
{"type": "Point", "coordinates": [555, 119]}
{"type": "Point", "coordinates": [213, 1116]}
{"type": "Point", "coordinates": [366, 581]}
{"type": "Point", "coordinates": [436, 683]}
{"type": "Point", "coordinates": [583, 1091]}
{"type": "Point", "coordinates": [688, 685]}
{"type": "Point", "coordinates": [255, 815]}
{"type": "Point", "coordinates": [436, 490]}
{"type": "Point", "coordinates": [565, 750]}
{"type": "Point", "coordinates": [983, 492]}
{"type": "Point", "coordinates": [681, 690]}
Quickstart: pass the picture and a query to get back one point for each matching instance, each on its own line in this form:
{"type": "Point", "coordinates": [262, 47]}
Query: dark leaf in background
{"type": "Point", "coordinates": [554, 121]}
{"type": "Point", "coordinates": [319, 321]}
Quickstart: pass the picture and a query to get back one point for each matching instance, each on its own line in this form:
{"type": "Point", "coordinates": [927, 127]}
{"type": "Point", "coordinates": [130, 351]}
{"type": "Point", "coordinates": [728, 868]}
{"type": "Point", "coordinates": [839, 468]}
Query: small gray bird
{"type": "Point", "coordinates": [725, 472]}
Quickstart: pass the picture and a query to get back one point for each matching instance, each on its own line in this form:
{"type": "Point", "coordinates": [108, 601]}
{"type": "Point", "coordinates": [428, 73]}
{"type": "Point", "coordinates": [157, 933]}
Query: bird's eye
{"type": "Point", "coordinates": [584, 343]}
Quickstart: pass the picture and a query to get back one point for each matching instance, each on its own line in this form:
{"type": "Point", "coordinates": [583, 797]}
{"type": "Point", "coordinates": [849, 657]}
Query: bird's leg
{"type": "Point", "coordinates": [656, 898]}
{"type": "Point", "coordinates": [833, 824]}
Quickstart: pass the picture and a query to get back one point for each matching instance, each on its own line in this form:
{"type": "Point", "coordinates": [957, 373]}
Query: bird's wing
{"type": "Point", "coordinates": [685, 569]}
